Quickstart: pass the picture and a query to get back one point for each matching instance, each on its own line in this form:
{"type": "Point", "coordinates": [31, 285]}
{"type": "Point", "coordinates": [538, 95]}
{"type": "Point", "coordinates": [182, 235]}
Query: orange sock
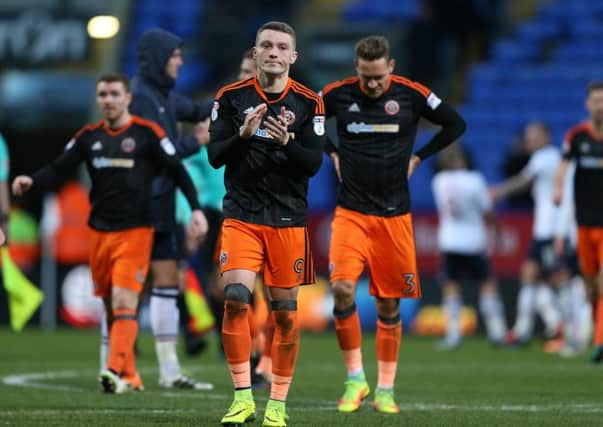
{"type": "Point", "coordinates": [598, 336]}
{"type": "Point", "coordinates": [389, 336]}
{"type": "Point", "coordinates": [285, 347]}
{"type": "Point", "coordinates": [265, 365]}
{"type": "Point", "coordinates": [349, 336]}
{"type": "Point", "coordinates": [235, 332]}
{"type": "Point", "coordinates": [253, 326]}
{"type": "Point", "coordinates": [257, 335]}
{"type": "Point", "coordinates": [124, 329]}
{"type": "Point", "coordinates": [268, 335]}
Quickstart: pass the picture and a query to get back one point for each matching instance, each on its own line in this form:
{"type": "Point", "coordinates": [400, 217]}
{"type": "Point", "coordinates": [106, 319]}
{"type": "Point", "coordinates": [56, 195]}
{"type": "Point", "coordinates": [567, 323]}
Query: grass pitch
{"type": "Point", "coordinates": [49, 379]}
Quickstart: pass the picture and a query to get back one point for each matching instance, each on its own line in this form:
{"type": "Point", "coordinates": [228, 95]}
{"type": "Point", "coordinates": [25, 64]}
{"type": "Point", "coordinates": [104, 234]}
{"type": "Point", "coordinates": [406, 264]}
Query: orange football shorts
{"type": "Point", "coordinates": [590, 250]}
{"type": "Point", "coordinates": [120, 258]}
{"type": "Point", "coordinates": [283, 252]}
{"type": "Point", "coordinates": [385, 244]}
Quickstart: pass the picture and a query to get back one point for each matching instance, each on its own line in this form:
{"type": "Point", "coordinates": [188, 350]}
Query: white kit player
{"type": "Point", "coordinates": [575, 308]}
{"type": "Point", "coordinates": [465, 213]}
{"type": "Point", "coordinates": [535, 294]}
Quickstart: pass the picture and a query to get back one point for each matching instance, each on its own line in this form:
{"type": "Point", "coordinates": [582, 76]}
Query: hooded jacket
{"type": "Point", "coordinates": [154, 99]}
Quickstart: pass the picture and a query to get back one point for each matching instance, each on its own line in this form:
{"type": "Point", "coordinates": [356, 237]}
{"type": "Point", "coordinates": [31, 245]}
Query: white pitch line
{"type": "Point", "coordinates": [574, 408]}
{"type": "Point", "coordinates": [34, 380]}
{"type": "Point", "coordinates": [31, 380]}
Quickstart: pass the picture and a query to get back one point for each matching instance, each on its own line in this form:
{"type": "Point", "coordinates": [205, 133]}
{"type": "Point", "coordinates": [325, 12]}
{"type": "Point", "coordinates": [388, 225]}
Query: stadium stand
{"type": "Point", "coordinates": [541, 72]}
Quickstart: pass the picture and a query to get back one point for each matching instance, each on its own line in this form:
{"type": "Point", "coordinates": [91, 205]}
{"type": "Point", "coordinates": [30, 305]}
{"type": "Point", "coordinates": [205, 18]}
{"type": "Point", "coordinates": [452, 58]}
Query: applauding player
{"type": "Point", "coordinates": [269, 132]}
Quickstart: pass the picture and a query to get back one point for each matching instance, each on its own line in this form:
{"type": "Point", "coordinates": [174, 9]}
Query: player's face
{"type": "Point", "coordinates": [594, 105]}
{"type": "Point", "coordinates": [374, 75]}
{"type": "Point", "coordinates": [247, 68]}
{"type": "Point", "coordinates": [174, 64]}
{"type": "Point", "coordinates": [535, 137]}
{"type": "Point", "coordinates": [112, 99]}
{"type": "Point", "coordinates": [274, 52]}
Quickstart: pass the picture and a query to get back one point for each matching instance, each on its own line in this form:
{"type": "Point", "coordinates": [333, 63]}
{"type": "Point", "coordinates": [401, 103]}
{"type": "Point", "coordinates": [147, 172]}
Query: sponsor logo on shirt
{"type": "Point", "coordinates": [263, 133]}
{"type": "Point", "coordinates": [372, 128]}
{"type": "Point", "coordinates": [590, 162]}
{"type": "Point", "coordinates": [107, 162]}
{"type": "Point", "coordinates": [127, 144]}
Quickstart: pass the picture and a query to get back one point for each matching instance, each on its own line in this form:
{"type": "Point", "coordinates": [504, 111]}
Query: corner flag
{"type": "Point", "coordinates": [23, 296]}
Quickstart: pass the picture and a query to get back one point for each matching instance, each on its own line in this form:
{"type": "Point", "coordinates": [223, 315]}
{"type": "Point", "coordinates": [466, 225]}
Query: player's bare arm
{"type": "Point", "coordinates": [513, 185]}
{"type": "Point", "coordinates": [21, 184]}
{"type": "Point", "coordinates": [413, 164]}
{"type": "Point", "coordinates": [335, 158]}
{"type": "Point", "coordinates": [558, 183]}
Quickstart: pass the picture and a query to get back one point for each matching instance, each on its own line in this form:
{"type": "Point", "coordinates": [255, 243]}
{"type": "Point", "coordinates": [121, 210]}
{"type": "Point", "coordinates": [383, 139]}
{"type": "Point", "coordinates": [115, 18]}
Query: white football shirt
{"type": "Point", "coordinates": [461, 198]}
{"type": "Point", "coordinates": [542, 168]}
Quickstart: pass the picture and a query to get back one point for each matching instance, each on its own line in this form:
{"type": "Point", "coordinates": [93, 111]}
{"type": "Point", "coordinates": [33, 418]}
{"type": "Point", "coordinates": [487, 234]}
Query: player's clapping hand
{"type": "Point", "coordinates": [277, 127]}
{"type": "Point", "coordinates": [2, 237]}
{"type": "Point", "coordinates": [21, 184]}
{"type": "Point", "coordinates": [252, 121]}
{"type": "Point", "coordinates": [198, 225]}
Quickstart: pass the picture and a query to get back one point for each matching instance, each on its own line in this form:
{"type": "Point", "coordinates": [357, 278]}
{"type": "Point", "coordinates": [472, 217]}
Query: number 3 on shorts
{"type": "Point", "coordinates": [409, 285]}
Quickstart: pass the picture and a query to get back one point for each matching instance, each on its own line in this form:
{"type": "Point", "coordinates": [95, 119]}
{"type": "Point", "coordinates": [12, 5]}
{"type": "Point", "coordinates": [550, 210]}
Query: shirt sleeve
{"type": "Point", "coordinates": [306, 154]}
{"type": "Point", "coordinates": [438, 112]}
{"type": "Point", "coordinates": [164, 154]}
{"type": "Point", "coordinates": [223, 137]}
{"type": "Point", "coordinates": [328, 99]}
{"type": "Point", "coordinates": [58, 170]}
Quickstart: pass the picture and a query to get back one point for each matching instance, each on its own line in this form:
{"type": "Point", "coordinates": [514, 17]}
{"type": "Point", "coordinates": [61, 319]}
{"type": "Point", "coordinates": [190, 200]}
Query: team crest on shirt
{"type": "Point", "coordinates": [223, 257]}
{"type": "Point", "coordinates": [289, 117]}
{"type": "Point", "coordinates": [392, 107]}
{"type": "Point", "coordinates": [584, 147]}
{"type": "Point", "coordinates": [128, 145]}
